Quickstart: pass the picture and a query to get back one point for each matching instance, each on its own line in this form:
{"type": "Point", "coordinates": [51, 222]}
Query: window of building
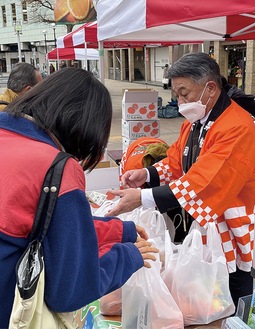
{"type": "Point", "coordinates": [4, 15]}
{"type": "Point", "coordinates": [13, 12]}
{"type": "Point", "coordinates": [24, 11]}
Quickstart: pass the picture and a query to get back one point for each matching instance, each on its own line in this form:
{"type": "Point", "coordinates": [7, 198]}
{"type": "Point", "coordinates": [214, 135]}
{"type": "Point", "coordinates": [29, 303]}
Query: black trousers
{"type": "Point", "coordinates": [240, 284]}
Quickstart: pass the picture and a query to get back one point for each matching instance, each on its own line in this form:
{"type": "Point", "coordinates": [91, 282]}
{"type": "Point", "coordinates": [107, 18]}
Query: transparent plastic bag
{"type": "Point", "coordinates": [200, 280]}
{"type": "Point", "coordinates": [171, 256]}
{"type": "Point", "coordinates": [147, 303]}
{"type": "Point", "coordinates": [111, 304]}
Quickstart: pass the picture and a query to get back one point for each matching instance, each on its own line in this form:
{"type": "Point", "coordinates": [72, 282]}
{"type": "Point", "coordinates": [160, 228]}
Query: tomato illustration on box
{"type": "Point", "coordinates": [140, 105]}
{"type": "Point", "coordinates": [143, 128]}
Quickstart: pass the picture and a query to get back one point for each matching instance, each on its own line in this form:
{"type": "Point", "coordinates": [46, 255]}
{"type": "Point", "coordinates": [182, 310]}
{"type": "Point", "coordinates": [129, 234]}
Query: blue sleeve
{"type": "Point", "coordinates": [75, 273]}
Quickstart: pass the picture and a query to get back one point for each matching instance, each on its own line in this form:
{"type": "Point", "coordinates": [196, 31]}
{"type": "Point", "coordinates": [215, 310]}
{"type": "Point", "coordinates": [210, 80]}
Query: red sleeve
{"type": "Point", "coordinates": [113, 230]}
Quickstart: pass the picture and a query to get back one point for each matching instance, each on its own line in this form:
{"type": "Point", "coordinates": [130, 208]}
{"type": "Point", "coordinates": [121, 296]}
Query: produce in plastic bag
{"type": "Point", "coordinates": [200, 280]}
{"type": "Point", "coordinates": [147, 303]}
{"type": "Point", "coordinates": [111, 304]}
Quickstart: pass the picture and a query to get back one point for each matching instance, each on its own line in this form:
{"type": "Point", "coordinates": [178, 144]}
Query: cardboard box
{"type": "Point", "coordinates": [103, 164]}
{"type": "Point", "coordinates": [143, 128]}
{"type": "Point", "coordinates": [136, 89]}
{"type": "Point", "coordinates": [115, 156]}
{"type": "Point", "coordinates": [106, 161]}
{"type": "Point", "coordinates": [102, 179]}
{"type": "Point", "coordinates": [126, 142]}
{"type": "Point", "coordinates": [140, 105]}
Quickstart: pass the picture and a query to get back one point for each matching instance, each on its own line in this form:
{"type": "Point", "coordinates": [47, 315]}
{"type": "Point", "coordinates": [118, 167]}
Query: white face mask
{"type": "Point", "coordinates": [193, 111]}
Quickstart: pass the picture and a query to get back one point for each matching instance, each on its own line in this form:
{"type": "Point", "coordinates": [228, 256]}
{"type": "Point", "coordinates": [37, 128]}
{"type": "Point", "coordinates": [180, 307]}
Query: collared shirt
{"type": "Point", "coordinates": [146, 194]}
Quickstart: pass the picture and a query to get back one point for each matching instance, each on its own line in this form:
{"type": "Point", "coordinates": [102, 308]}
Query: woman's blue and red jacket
{"type": "Point", "coordinates": [85, 257]}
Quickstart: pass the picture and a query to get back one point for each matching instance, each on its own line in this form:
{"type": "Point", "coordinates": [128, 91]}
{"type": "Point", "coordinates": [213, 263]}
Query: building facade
{"type": "Point", "coordinates": [21, 38]}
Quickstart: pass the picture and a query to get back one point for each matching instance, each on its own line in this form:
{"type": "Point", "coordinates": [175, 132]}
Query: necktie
{"type": "Point", "coordinates": [195, 136]}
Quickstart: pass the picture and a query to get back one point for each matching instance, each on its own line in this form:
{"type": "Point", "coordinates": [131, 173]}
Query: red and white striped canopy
{"type": "Point", "coordinates": [87, 33]}
{"type": "Point", "coordinates": [73, 53]}
{"type": "Point", "coordinates": [175, 21]}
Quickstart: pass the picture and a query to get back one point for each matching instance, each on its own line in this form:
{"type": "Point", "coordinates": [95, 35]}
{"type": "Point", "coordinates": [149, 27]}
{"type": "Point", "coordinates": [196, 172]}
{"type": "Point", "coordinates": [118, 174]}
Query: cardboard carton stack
{"type": "Point", "coordinates": [139, 115]}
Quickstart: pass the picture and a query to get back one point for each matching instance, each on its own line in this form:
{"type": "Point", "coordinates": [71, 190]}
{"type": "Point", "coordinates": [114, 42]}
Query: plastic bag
{"type": "Point", "coordinates": [200, 280]}
{"type": "Point", "coordinates": [147, 303]}
{"type": "Point", "coordinates": [106, 206]}
{"type": "Point", "coordinates": [153, 222]}
{"type": "Point", "coordinates": [171, 256]}
{"type": "Point", "coordinates": [111, 304]}
{"type": "Point", "coordinates": [168, 111]}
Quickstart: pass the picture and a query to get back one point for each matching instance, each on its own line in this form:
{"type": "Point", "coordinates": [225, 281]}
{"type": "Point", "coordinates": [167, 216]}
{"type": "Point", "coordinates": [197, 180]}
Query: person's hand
{"type": "Point", "coordinates": [130, 199]}
{"type": "Point", "coordinates": [146, 249]}
{"type": "Point", "coordinates": [141, 232]}
{"type": "Point", "coordinates": [134, 178]}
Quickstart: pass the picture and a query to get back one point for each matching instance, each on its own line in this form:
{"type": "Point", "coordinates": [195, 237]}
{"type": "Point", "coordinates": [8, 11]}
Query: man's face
{"type": "Point", "coordinates": [187, 91]}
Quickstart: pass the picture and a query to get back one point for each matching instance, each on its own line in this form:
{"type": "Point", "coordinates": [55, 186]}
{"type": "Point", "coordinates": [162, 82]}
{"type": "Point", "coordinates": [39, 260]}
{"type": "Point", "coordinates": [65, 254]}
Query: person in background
{"type": "Point", "coordinates": [165, 79]}
{"type": "Point", "coordinates": [85, 257]}
{"type": "Point", "coordinates": [247, 101]}
{"type": "Point", "coordinates": [52, 68]}
{"type": "Point", "coordinates": [209, 171]}
{"type": "Point", "coordinates": [63, 64]}
{"type": "Point", "coordinates": [22, 78]}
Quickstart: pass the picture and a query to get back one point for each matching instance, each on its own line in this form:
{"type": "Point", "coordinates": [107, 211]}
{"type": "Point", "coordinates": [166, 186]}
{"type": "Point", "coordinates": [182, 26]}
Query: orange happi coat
{"type": "Point", "coordinates": [220, 185]}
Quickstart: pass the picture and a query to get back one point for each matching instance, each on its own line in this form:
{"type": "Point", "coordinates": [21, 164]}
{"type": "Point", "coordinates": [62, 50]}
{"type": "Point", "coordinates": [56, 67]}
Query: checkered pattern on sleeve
{"type": "Point", "coordinates": [188, 199]}
{"type": "Point", "coordinates": [235, 226]}
{"type": "Point", "coordinates": [163, 172]}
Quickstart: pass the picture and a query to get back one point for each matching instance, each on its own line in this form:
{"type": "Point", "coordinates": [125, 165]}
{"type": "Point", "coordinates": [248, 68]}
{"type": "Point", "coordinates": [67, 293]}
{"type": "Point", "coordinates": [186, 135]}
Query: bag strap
{"type": "Point", "coordinates": [4, 103]}
{"type": "Point", "coordinates": [48, 197]}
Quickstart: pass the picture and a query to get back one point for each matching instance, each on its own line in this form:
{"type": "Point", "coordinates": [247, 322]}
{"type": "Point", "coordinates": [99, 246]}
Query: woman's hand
{"type": "Point", "coordinates": [146, 251]}
{"type": "Point", "coordinates": [142, 233]}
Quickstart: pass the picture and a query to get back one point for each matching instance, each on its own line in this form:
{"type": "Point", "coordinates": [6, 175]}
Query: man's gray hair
{"type": "Point", "coordinates": [21, 76]}
{"type": "Point", "coordinates": [199, 67]}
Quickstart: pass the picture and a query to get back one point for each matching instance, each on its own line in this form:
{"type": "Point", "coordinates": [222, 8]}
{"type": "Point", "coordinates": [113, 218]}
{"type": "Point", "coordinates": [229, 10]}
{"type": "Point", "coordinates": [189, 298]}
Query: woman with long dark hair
{"type": "Point", "coordinates": [85, 257]}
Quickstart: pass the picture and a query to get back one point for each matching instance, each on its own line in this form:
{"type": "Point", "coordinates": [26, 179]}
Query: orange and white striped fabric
{"type": "Point", "coordinates": [220, 185]}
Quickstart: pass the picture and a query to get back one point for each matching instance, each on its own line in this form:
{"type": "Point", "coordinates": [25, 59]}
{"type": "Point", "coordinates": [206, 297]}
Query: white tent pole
{"type": "Point", "coordinates": [145, 63]}
{"type": "Point", "coordinates": [86, 55]}
{"type": "Point", "coordinates": [57, 59]}
{"type": "Point", "coordinates": [101, 60]}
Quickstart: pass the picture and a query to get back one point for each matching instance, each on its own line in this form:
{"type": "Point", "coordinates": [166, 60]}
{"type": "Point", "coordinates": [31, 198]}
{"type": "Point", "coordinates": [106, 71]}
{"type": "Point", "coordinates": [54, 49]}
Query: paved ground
{"type": "Point", "coordinates": [169, 128]}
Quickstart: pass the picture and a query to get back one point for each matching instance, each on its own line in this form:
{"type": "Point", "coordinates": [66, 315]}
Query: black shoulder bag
{"type": "Point", "coordinates": [29, 309]}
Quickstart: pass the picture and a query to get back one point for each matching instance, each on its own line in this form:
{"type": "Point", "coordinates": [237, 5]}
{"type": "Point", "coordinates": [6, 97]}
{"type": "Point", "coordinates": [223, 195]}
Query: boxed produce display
{"type": "Point", "coordinates": [140, 105]}
{"type": "Point", "coordinates": [135, 129]}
